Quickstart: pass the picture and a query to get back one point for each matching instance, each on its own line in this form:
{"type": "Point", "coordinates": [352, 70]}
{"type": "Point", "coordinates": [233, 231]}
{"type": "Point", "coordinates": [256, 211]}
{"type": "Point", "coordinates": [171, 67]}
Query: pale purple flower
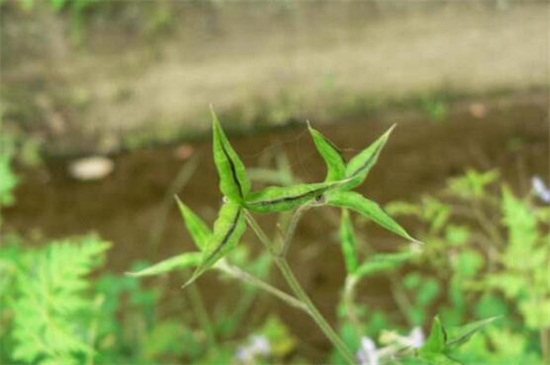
{"type": "Point", "coordinates": [244, 355]}
{"type": "Point", "coordinates": [260, 345]}
{"type": "Point", "coordinates": [368, 354]}
{"type": "Point", "coordinates": [257, 346]}
{"type": "Point", "coordinates": [540, 189]}
{"type": "Point", "coordinates": [416, 338]}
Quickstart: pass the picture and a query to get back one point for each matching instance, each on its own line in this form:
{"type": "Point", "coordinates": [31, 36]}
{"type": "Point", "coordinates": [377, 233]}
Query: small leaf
{"type": "Point", "coordinates": [198, 229]}
{"type": "Point", "coordinates": [462, 334]}
{"type": "Point", "coordinates": [349, 242]}
{"type": "Point", "coordinates": [228, 230]}
{"type": "Point", "coordinates": [336, 165]}
{"type": "Point", "coordinates": [183, 261]}
{"type": "Point", "coordinates": [283, 198]}
{"type": "Point", "coordinates": [359, 166]}
{"type": "Point", "coordinates": [435, 343]}
{"type": "Point", "coordinates": [369, 209]}
{"type": "Point", "coordinates": [234, 183]}
{"type": "Point", "coordinates": [382, 262]}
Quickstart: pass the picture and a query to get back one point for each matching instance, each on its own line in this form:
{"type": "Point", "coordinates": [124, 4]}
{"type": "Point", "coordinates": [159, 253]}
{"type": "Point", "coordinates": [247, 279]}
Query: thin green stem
{"type": "Point", "coordinates": [183, 177]}
{"type": "Point", "coordinates": [313, 311]}
{"type": "Point", "coordinates": [247, 277]}
{"type": "Point", "coordinates": [300, 292]}
{"type": "Point", "coordinates": [486, 224]}
{"type": "Point", "coordinates": [398, 291]}
{"type": "Point", "coordinates": [291, 229]}
{"type": "Point", "coordinates": [401, 297]}
{"type": "Point", "coordinates": [202, 315]}
{"type": "Point", "coordinates": [349, 301]}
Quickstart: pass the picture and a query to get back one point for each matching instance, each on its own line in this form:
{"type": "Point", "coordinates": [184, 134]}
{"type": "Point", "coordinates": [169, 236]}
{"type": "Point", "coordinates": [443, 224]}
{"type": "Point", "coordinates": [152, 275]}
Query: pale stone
{"type": "Point", "coordinates": [91, 168]}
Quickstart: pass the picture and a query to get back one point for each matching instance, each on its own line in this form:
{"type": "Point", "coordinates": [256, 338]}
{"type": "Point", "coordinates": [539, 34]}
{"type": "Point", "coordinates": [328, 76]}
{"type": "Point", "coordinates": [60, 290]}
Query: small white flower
{"type": "Point", "coordinates": [416, 338]}
{"type": "Point", "coordinates": [540, 189]}
{"type": "Point", "coordinates": [257, 346]}
{"type": "Point", "coordinates": [367, 354]}
{"type": "Point", "coordinates": [260, 345]}
{"type": "Point", "coordinates": [244, 355]}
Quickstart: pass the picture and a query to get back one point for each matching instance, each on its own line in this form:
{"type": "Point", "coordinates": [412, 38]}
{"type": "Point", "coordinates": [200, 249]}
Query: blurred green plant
{"type": "Point", "coordinates": [58, 5]}
{"type": "Point", "coordinates": [436, 108]}
{"type": "Point", "coordinates": [53, 311]}
{"type": "Point", "coordinates": [159, 14]}
{"type": "Point", "coordinates": [9, 180]}
{"type": "Point", "coordinates": [76, 8]}
{"type": "Point", "coordinates": [487, 254]}
{"type": "Point", "coordinates": [49, 316]}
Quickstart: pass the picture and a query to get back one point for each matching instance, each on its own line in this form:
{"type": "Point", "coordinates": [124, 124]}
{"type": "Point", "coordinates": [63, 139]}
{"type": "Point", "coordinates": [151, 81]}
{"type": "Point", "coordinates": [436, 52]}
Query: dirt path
{"type": "Point", "coordinates": [267, 62]}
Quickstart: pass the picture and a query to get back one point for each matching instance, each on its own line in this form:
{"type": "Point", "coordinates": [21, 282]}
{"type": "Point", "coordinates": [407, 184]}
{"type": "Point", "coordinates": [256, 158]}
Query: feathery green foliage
{"type": "Point", "coordinates": [488, 251]}
{"type": "Point", "coordinates": [51, 307]}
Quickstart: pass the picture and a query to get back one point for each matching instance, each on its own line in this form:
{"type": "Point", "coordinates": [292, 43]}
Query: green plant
{"type": "Point", "coordinates": [436, 108]}
{"type": "Point", "coordinates": [53, 319]}
{"type": "Point", "coordinates": [59, 5]}
{"type": "Point", "coordinates": [240, 202]}
{"type": "Point", "coordinates": [53, 312]}
{"type": "Point", "coordinates": [9, 180]}
{"type": "Point", "coordinates": [491, 249]}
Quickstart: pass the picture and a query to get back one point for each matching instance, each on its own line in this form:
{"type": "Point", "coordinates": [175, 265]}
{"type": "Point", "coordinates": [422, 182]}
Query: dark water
{"type": "Point", "coordinates": [133, 207]}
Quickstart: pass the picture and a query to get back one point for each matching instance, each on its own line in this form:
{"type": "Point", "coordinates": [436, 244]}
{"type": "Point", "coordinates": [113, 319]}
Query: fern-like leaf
{"type": "Point", "coordinates": [51, 310]}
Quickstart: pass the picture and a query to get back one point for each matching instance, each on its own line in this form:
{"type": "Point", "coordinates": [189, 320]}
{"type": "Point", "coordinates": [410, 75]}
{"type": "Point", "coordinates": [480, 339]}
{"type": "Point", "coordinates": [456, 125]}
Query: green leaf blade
{"type": "Point", "coordinates": [234, 182]}
{"type": "Point", "coordinates": [359, 166]}
{"type": "Point", "coordinates": [369, 209]}
{"type": "Point", "coordinates": [198, 229]}
{"type": "Point", "coordinates": [435, 343]}
{"type": "Point", "coordinates": [284, 198]}
{"type": "Point", "coordinates": [336, 166]}
{"type": "Point", "coordinates": [460, 335]}
{"type": "Point", "coordinates": [183, 261]}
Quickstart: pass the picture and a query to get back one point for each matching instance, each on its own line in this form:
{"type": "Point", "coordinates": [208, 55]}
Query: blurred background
{"type": "Point", "coordinates": [105, 116]}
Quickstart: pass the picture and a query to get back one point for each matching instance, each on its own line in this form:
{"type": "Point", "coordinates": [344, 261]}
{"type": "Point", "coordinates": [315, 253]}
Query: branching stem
{"type": "Point", "coordinates": [247, 277]}
{"type": "Point", "coordinates": [300, 293]}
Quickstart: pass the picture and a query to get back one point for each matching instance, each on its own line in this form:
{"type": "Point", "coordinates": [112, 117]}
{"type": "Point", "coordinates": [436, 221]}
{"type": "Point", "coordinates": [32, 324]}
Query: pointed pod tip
{"type": "Point", "coordinates": [180, 203]}
{"type": "Point", "coordinates": [190, 281]}
{"type": "Point", "coordinates": [390, 130]}
{"type": "Point", "coordinates": [312, 131]}
{"type": "Point", "coordinates": [418, 242]}
{"type": "Point", "coordinates": [215, 119]}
